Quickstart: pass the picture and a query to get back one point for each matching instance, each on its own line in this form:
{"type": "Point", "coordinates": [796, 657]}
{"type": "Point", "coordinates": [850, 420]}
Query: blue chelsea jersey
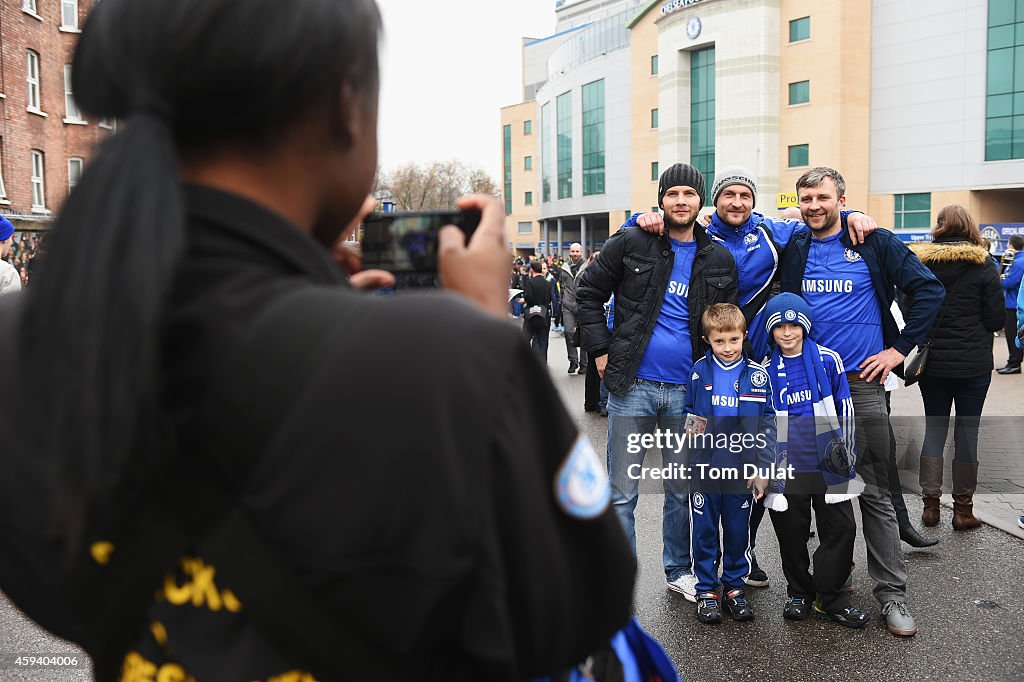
{"type": "Point", "coordinates": [845, 313]}
{"type": "Point", "coordinates": [668, 357]}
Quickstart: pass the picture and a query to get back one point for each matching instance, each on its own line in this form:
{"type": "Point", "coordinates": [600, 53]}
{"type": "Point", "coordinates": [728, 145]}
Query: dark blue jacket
{"type": "Point", "coordinates": [892, 266]}
{"type": "Point", "coordinates": [756, 410]}
{"type": "Point", "coordinates": [1012, 278]}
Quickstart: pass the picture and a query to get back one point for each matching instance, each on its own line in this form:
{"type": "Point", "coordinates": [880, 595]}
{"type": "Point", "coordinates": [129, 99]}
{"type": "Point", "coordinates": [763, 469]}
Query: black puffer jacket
{"type": "Point", "coordinates": [637, 267]}
{"type": "Point", "coordinates": [962, 332]}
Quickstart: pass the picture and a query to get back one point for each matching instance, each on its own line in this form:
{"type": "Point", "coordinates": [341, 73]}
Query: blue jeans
{"type": "Point", "coordinates": [648, 405]}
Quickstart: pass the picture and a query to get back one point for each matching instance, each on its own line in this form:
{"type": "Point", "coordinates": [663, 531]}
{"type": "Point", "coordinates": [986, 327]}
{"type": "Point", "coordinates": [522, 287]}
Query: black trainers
{"type": "Point", "coordinates": [850, 617]}
{"type": "Point", "coordinates": [757, 577]}
{"type": "Point", "coordinates": [573, 367]}
{"type": "Point", "coordinates": [737, 606]}
{"type": "Point", "coordinates": [796, 608]}
{"type": "Point", "coordinates": [708, 610]}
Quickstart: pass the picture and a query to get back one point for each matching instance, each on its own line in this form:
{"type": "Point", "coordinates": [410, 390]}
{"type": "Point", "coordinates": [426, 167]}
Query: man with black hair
{"type": "Point", "coordinates": [662, 285]}
{"type": "Point", "coordinates": [536, 302]}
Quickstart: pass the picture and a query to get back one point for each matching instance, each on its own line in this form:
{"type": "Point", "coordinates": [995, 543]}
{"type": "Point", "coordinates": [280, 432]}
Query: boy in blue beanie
{"type": "Point", "coordinates": [730, 427]}
{"type": "Point", "coordinates": [815, 444]}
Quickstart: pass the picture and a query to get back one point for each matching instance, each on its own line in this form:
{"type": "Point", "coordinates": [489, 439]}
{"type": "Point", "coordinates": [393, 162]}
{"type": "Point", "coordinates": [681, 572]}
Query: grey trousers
{"type": "Point", "coordinates": [881, 529]}
{"type": "Point", "coordinates": [569, 320]}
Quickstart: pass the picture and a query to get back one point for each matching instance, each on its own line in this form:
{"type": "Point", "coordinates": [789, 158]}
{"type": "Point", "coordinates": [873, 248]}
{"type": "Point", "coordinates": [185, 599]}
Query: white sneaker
{"type": "Point", "coordinates": [686, 585]}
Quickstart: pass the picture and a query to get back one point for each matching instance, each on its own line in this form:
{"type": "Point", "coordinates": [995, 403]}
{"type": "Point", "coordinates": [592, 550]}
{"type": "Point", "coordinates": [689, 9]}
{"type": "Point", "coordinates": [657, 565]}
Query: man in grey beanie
{"type": "Point", "coordinates": [662, 285]}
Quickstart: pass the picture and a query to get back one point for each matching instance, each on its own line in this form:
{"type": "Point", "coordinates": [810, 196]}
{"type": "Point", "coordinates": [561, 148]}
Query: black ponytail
{"type": "Point", "coordinates": [181, 75]}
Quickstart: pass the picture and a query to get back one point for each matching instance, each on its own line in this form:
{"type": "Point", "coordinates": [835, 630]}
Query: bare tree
{"type": "Point", "coordinates": [435, 186]}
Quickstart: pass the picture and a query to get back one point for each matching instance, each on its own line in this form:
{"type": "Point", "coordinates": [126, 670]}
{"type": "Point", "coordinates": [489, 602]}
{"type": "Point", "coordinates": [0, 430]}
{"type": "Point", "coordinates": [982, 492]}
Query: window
{"type": "Point", "coordinates": [654, 65]}
{"type": "Point", "coordinates": [913, 210]}
{"type": "Point", "coordinates": [593, 138]}
{"type": "Point", "coordinates": [69, 14]}
{"type": "Point", "coordinates": [527, 163]}
{"type": "Point", "coordinates": [655, 174]}
{"type": "Point", "coordinates": [75, 166]}
{"type": "Point", "coordinates": [29, 6]}
{"type": "Point", "coordinates": [38, 187]}
{"type": "Point", "coordinates": [525, 227]}
{"type": "Point", "coordinates": [798, 155]}
{"type": "Point", "coordinates": [507, 163]}
{"type": "Point", "coordinates": [654, 118]}
{"type": "Point", "coordinates": [800, 29]}
{"type": "Point", "coordinates": [528, 199]}
{"type": "Point", "coordinates": [563, 114]}
{"type": "Point", "coordinates": [527, 127]}
{"type": "Point", "coordinates": [800, 92]}
{"type": "Point", "coordinates": [702, 111]}
{"type": "Point", "coordinates": [32, 77]}
{"type": "Point", "coordinates": [1004, 106]}
{"type": "Point", "coordinates": [545, 152]}
{"type": "Point", "coordinates": [73, 114]}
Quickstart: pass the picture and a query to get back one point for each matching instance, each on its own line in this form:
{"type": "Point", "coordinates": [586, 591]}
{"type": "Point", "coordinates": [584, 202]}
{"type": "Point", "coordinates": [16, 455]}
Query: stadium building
{"type": "Point", "coordinates": [919, 104]}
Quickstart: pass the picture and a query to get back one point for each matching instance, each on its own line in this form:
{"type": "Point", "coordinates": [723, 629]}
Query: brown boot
{"type": "Point", "coordinates": [931, 488]}
{"type": "Point", "coordinates": [963, 513]}
{"type": "Point", "coordinates": [930, 515]}
{"type": "Point", "coordinates": [965, 481]}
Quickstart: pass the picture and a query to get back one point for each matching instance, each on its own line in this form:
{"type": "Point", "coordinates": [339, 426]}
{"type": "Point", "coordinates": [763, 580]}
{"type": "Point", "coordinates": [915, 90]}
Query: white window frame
{"type": "Point", "coordinates": [32, 81]}
{"type": "Point", "coordinates": [72, 162]}
{"type": "Point", "coordinates": [38, 181]}
{"type": "Point", "coordinates": [68, 8]}
{"type": "Point", "coordinates": [29, 7]}
{"type": "Point", "coordinates": [74, 114]}
{"type": "Point", "coordinates": [3, 190]}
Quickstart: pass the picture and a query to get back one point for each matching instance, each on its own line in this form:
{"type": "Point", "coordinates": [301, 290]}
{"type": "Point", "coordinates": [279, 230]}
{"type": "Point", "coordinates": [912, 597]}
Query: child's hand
{"type": "Point", "coordinates": [758, 485]}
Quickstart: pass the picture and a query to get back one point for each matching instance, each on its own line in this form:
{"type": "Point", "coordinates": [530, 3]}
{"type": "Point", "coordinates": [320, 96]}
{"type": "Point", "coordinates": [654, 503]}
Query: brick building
{"type": "Point", "coordinates": [45, 141]}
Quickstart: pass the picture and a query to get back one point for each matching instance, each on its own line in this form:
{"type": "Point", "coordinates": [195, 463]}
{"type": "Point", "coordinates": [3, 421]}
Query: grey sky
{"type": "Point", "coordinates": [447, 67]}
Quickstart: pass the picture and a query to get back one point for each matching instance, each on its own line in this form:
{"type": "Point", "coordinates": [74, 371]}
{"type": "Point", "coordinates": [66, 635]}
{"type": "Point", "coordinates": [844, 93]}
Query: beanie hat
{"type": "Point", "coordinates": [787, 308]}
{"type": "Point", "coordinates": [733, 175]}
{"type": "Point", "coordinates": [6, 229]}
{"type": "Point", "coordinates": [681, 175]}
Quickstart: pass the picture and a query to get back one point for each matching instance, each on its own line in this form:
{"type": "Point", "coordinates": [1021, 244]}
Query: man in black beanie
{"type": "Point", "coordinates": [662, 285]}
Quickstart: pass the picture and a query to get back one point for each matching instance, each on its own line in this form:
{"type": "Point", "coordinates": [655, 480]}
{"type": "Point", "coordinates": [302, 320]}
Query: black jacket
{"type": "Point", "coordinates": [962, 333]}
{"type": "Point", "coordinates": [637, 266]}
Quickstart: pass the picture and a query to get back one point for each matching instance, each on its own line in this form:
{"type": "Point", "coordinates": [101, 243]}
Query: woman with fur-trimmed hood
{"type": "Point", "coordinates": [959, 366]}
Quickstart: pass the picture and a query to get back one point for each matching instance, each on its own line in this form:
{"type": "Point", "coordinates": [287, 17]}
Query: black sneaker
{"type": "Point", "coordinates": [708, 610]}
{"type": "Point", "coordinates": [573, 367]}
{"type": "Point", "coordinates": [1009, 369]}
{"type": "Point", "coordinates": [796, 608]}
{"type": "Point", "coordinates": [737, 606]}
{"type": "Point", "coordinates": [757, 577]}
{"type": "Point", "coordinates": [850, 617]}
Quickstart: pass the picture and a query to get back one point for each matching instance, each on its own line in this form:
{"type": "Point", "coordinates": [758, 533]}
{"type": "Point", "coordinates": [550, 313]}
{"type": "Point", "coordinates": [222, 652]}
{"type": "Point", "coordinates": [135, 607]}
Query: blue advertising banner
{"type": "Point", "coordinates": [999, 234]}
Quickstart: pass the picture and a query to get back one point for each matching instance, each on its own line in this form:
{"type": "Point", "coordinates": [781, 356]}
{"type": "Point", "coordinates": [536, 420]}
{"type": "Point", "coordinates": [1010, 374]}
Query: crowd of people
{"type": "Point", "coordinates": [18, 251]}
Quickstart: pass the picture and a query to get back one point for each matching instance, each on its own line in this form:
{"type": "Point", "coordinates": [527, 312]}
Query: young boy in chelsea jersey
{"type": "Point", "coordinates": [730, 427]}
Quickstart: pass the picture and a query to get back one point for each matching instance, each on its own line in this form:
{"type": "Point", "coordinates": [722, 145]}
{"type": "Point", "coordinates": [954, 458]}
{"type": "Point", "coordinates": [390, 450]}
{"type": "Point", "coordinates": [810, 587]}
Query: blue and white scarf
{"type": "Point", "coordinates": [834, 440]}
